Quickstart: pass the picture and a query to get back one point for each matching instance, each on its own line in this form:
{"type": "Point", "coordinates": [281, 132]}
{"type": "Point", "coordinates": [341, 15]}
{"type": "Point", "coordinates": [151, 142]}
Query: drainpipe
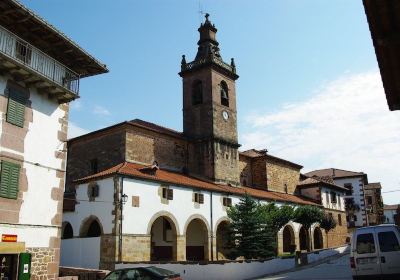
{"type": "Point", "coordinates": [211, 226]}
{"type": "Point", "coordinates": [120, 219]}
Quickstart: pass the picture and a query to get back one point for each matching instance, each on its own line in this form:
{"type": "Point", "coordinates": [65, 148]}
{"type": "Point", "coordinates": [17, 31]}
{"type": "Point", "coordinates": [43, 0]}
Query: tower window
{"type": "Point", "coordinates": [224, 94]}
{"type": "Point", "coordinates": [197, 93]}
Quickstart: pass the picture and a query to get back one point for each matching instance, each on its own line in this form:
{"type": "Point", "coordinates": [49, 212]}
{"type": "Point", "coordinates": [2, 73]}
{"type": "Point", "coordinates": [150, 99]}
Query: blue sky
{"type": "Point", "coordinates": [289, 54]}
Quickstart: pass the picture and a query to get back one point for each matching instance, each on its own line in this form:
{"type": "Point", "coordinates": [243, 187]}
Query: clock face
{"type": "Point", "coordinates": [225, 115]}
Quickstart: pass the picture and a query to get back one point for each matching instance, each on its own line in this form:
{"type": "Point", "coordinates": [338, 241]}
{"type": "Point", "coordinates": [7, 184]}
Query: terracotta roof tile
{"type": "Point", "coordinates": [314, 180]}
{"type": "Point", "coordinates": [334, 173]}
{"type": "Point", "coordinates": [391, 207]}
{"type": "Point", "coordinates": [141, 171]}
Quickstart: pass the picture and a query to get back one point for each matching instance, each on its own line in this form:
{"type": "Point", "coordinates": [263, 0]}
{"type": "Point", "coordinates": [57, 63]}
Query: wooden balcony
{"type": "Point", "coordinates": [28, 64]}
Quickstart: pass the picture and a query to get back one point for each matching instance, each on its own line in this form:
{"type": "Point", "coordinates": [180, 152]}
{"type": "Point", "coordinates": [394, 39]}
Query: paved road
{"type": "Point", "coordinates": [338, 269]}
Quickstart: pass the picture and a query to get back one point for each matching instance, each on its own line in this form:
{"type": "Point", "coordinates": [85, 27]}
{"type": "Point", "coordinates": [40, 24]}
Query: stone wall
{"type": "Point", "coordinates": [44, 263]}
{"type": "Point", "coordinates": [245, 168]}
{"type": "Point", "coordinates": [280, 173]}
{"type": "Point", "coordinates": [259, 172]}
{"type": "Point", "coordinates": [337, 236]}
{"type": "Point", "coordinates": [108, 148]}
{"type": "Point", "coordinates": [136, 248]}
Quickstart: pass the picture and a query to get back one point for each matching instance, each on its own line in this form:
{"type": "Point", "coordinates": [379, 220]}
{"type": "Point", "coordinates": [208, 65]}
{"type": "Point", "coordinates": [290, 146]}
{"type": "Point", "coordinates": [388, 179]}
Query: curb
{"type": "Point", "coordinates": [310, 265]}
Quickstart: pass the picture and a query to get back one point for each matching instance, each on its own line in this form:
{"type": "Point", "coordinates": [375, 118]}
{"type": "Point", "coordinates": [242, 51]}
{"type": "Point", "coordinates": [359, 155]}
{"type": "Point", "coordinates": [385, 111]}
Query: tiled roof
{"type": "Point", "coordinates": [391, 207]}
{"type": "Point", "coordinates": [164, 176]}
{"type": "Point", "coordinates": [334, 173]}
{"type": "Point", "coordinates": [372, 186]}
{"type": "Point", "coordinates": [155, 127]}
{"type": "Point", "coordinates": [315, 180]}
{"type": "Point", "coordinates": [253, 153]}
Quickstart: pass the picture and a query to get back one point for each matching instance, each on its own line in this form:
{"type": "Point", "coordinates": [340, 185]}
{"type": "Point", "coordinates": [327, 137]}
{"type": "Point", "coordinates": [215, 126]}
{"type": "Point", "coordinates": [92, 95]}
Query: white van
{"type": "Point", "coordinates": [375, 252]}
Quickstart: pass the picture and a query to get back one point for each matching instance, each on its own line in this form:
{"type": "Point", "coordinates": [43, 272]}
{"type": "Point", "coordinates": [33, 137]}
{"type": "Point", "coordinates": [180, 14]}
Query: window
{"type": "Point", "coordinates": [94, 166]}
{"type": "Point", "coordinates": [285, 188]}
{"type": "Point", "coordinates": [339, 201]}
{"type": "Point", "coordinates": [355, 218]}
{"type": "Point", "coordinates": [199, 198]}
{"type": "Point", "coordinates": [388, 241]}
{"type": "Point", "coordinates": [349, 188]}
{"type": "Point", "coordinates": [333, 197]}
{"type": "Point", "coordinates": [369, 199]}
{"type": "Point", "coordinates": [339, 219]}
{"type": "Point", "coordinates": [327, 197]}
{"type": "Point", "coordinates": [224, 94]}
{"type": "Point", "coordinates": [167, 193]}
{"type": "Point", "coordinates": [9, 180]}
{"type": "Point", "coordinates": [16, 107]}
{"type": "Point", "coordinates": [365, 243]}
{"type": "Point", "coordinates": [227, 201]}
{"type": "Point", "coordinates": [197, 93]}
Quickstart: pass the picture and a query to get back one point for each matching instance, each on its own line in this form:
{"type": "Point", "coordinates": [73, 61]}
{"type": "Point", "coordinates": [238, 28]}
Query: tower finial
{"type": "Point", "coordinates": [206, 16]}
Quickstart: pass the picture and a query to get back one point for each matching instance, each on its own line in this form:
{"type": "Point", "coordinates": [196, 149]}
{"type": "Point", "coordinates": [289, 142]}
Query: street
{"type": "Point", "coordinates": [334, 269]}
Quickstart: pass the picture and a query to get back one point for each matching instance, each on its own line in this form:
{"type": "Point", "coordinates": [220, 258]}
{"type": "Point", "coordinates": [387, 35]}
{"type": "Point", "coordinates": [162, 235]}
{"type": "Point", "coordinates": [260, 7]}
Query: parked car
{"type": "Point", "coordinates": [375, 252]}
{"type": "Point", "coordinates": [142, 273]}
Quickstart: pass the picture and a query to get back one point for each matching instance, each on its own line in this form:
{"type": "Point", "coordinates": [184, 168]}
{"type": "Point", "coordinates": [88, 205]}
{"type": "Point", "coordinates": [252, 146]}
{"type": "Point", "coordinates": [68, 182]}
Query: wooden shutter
{"type": "Point", "coordinates": [224, 201]}
{"type": "Point", "coordinates": [164, 192]}
{"type": "Point", "coordinates": [170, 194]}
{"type": "Point", "coordinates": [9, 180]}
{"type": "Point", "coordinates": [16, 107]}
{"type": "Point", "coordinates": [95, 190]}
{"type": "Point", "coordinates": [201, 198]}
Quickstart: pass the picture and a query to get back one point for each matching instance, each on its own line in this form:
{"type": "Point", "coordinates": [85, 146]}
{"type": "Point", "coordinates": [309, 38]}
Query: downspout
{"type": "Point", "coordinates": [211, 226]}
{"type": "Point", "coordinates": [120, 219]}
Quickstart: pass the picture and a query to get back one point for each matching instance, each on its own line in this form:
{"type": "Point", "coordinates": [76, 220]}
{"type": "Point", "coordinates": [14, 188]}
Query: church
{"type": "Point", "coordinates": [138, 192]}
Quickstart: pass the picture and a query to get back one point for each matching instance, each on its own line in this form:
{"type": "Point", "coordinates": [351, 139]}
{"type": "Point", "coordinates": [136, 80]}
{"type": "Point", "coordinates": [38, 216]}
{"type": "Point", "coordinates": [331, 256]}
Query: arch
{"type": "Point", "coordinates": [163, 214]}
{"type": "Point", "coordinates": [288, 238]}
{"type": "Point", "coordinates": [318, 239]}
{"type": "Point", "coordinates": [200, 217]}
{"type": "Point", "coordinates": [197, 234]}
{"type": "Point", "coordinates": [163, 235]}
{"type": "Point", "coordinates": [304, 239]}
{"type": "Point", "coordinates": [66, 231]}
{"type": "Point", "coordinates": [91, 227]}
{"type": "Point", "coordinates": [224, 94]}
{"type": "Point", "coordinates": [197, 92]}
{"type": "Point", "coordinates": [222, 245]}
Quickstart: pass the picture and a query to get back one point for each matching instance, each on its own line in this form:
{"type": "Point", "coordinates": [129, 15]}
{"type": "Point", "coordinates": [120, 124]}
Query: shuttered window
{"type": "Point", "coordinates": [9, 180]}
{"type": "Point", "coordinates": [16, 107]}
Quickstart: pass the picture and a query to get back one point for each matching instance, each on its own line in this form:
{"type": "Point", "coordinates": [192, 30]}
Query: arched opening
{"type": "Point", "coordinates": [197, 92]}
{"type": "Point", "coordinates": [163, 240]}
{"type": "Point", "coordinates": [91, 227]}
{"type": "Point", "coordinates": [289, 242]}
{"type": "Point", "coordinates": [304, 239]}
{"type": "Point", "coordinates": [317, 236]}
{"type": "Point", "coordinates": [223, 249]}
{"type": "Point", "coordinates": [196, 241]}
{"type": "Point", "coordinates": [224, 94]}
{"type": "Point", "coordinates": [67, 231]}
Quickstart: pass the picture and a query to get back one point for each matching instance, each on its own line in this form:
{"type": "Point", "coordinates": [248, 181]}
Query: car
{"type": "Point", "coordinates": [375, 252]}
{"type": "Point", "coordinates": [142, 273]}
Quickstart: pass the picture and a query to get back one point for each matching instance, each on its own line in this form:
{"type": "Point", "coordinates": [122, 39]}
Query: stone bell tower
{"type": "Point", "coordinates": [209, 111]}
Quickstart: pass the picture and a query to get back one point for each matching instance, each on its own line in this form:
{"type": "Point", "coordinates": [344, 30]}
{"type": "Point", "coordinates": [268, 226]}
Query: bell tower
{"type": "Point", "coordinates": [209, 110]}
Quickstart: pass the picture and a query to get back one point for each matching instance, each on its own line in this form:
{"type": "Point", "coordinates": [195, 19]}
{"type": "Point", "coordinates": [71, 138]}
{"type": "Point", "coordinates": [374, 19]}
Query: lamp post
{"type": "Point", "coordinates": [122, 200]}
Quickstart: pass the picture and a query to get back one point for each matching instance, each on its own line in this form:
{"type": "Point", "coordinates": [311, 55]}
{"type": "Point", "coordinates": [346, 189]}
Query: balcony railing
{"type": "Point", "coordinates": [14, 47]}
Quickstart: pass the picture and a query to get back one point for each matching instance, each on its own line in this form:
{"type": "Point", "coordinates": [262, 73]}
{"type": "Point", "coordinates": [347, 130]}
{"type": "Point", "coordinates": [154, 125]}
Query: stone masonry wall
{"type": "Point", "coordinates": [279, 174]}
{"type": "Point", "coordinates": [245, 168]}
{"type": "Point", "coordinates": [337, 236]}
{"type": "Point", "coordinates": [44, 263]}
{"type": "Point", "coordinates": [259, 172]}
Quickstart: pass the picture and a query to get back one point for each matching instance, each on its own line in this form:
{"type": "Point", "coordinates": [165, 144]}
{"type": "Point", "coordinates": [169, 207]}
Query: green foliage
{"type": "Point", "coordinates": [327, 223]}
{"type": "Point", "coordinates": [308, 215]}
{"type": "Point", "coordinates": [248, 233]}
{"type": "Point", "coordinates": [276, 217]}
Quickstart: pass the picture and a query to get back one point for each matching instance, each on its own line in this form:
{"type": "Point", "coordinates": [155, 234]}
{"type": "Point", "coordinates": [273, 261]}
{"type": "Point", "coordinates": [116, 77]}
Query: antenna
{"type": "Point", "coordinates": [201, 12]}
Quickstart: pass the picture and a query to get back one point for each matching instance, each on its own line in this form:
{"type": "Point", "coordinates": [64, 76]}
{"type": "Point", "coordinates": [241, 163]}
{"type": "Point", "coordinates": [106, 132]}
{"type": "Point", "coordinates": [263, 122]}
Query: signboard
{"type": "Point", "coordinates": [9, 238]}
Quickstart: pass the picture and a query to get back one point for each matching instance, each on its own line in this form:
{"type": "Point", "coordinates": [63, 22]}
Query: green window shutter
{"type": "Point", "coordinates": [9, 180]}
{"type": "Point", "coordinates": [16, 107]}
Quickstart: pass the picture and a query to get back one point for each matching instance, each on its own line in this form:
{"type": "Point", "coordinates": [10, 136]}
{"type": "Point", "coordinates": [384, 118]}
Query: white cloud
{"type": "Point", "coordinates": [75, 131]}
{"type": "Point", "coordinates": [99, 110]}
{"type": "Point", "coordinates": [347, 125]}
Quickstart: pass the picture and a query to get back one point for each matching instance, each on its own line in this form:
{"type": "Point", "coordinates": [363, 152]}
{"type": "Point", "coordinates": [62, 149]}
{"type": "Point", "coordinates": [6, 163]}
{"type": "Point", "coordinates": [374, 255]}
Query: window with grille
{"type": "Point", "coordinates": [199, 198]}
{"type": "Point", "coordinates": [227, 201]}
{"type": "Point", "coordinates": [9, 180]}
{"type": "Point", "coordinates": [167, 193]}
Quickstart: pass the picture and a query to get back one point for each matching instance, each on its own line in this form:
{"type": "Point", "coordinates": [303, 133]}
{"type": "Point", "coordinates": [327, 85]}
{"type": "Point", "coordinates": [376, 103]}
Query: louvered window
{"type": "Point", "coordinates": [16, 107]}
{"type": "Point", "coordinates": [9, 180]}
{"type": "Point", "coordinates": [199, 198]}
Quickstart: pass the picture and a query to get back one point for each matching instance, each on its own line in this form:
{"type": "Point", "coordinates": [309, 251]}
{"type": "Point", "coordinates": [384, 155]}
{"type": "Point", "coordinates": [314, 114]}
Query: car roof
{"type": "Point", "coordinates": [377, 226]}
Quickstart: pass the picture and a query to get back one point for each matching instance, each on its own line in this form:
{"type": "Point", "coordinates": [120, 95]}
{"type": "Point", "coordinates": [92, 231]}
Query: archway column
{"type": "Point", "coordinates": [214, 248]}
{"type": "Point", "coordinates": [180, 252]}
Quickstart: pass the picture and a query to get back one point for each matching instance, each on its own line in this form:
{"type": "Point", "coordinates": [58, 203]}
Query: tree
{"type": "Point", "coordinates": [275, 218]}
{"type": "Point", "coordinates": [327, 223]}
{"type": "Point", "coordinates": [248, 233]}
{"type": "Point", "coordinates": [308, 215]}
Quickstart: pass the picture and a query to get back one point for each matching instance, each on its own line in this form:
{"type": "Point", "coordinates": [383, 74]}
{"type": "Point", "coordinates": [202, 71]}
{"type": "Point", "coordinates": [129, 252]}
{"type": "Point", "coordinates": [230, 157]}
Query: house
{"type": "Point", "coordinates": [392, 214]}
{"type": "Point", "coordinates": [354, 182]}
{"type": "Point", "coordinates": [138, 192]}
{"type": "Point", "coordinates": [374, 203]}
{"type": "Point", "coordinates": [40, 69]}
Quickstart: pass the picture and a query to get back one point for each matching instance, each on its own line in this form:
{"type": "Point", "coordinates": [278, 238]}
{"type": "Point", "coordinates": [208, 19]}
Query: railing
{"type": "Point", "coordinates": [21, 51]}
{"type": "Point", "coordinates": [194, 64]}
